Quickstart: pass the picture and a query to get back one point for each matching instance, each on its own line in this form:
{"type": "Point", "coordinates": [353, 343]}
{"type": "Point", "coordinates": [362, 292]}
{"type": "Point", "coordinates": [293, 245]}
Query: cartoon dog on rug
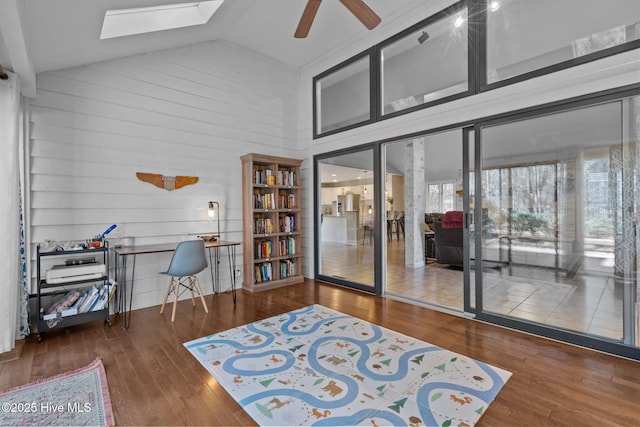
{"type": "Point", "coordinates": [332, 388]}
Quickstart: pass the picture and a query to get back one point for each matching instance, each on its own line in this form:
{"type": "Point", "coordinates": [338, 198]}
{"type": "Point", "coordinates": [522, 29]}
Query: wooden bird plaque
{"type": "Point", "coordinates": [167, 182]}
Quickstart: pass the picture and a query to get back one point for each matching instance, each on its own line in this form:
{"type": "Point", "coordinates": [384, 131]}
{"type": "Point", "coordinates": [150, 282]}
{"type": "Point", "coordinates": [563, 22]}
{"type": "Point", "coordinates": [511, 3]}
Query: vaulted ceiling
{"type": "Point", "coordinates": [43, 35]}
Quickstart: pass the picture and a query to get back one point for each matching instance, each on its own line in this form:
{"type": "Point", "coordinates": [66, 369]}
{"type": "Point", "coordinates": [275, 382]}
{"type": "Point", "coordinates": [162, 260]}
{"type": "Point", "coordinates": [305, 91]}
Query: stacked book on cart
{"type": "Point", "coordinates": [81, 301]}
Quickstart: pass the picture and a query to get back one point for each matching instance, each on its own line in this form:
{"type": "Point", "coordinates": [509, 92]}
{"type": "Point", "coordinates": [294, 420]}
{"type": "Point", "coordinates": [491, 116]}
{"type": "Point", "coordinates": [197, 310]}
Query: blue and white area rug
{"type": "Point", "coordinates": [317, 366]}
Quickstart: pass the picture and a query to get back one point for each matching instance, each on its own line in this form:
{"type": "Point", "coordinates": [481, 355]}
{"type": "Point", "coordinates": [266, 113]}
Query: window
{"type": "Point", "coordinates": [427, 63]}
{"type": "Point", "coordinates": [441, 197]}
{"type": "Point", "coordinates": [524, 35]}
{"type": "Point", "coordinates": [343, 96]}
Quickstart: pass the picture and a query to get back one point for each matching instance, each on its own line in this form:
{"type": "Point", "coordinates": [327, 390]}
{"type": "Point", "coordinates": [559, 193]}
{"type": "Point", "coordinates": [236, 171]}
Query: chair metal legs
{"type": "Point", "coordinates": [174, 286]}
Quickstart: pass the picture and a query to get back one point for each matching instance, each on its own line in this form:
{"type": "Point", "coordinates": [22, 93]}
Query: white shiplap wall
{"type": "Point", "coordinates": [184, 111]}
{"type": "Point", "coordinates": [607, 73]}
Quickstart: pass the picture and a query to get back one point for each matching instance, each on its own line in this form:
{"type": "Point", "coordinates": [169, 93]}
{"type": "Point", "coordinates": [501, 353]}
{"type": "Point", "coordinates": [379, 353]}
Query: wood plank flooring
{"type": "Point", "coordinates": [153, 380]}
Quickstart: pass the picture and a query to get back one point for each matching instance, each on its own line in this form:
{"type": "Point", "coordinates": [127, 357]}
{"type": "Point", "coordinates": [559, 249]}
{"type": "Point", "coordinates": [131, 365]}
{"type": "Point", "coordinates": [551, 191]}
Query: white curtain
{"type": "Point", "coordinates": [9, 212]}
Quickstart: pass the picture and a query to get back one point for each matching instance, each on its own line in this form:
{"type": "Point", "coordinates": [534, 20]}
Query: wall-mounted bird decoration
{"type": "Point", "coordinates": [167, 182]}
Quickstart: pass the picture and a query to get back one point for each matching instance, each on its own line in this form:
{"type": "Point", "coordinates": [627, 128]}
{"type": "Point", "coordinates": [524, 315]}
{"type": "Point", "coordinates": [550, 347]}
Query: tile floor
{"type": "Point", "coordinates": [589, 302]}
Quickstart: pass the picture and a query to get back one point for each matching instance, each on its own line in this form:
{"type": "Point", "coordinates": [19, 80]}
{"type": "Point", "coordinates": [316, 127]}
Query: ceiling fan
{"type": "Point", "coordinates": [359, 9]}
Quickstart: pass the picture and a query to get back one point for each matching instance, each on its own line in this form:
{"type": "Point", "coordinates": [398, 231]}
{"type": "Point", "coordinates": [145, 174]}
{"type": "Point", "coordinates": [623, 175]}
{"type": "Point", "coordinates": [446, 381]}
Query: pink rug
{"type": "Point", "coordinates": [79, 397]}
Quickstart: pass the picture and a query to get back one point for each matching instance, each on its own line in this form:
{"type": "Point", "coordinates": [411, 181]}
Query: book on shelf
{"type": "Point", "coordinates": [264, 249]}
{"type": "Point", "coordinates": [264, 177]}
{"type": "Point", "coordinates": [286, 178]}
{"type": "Point", "coordinates": [101, 301]}
{"type": "Point", "coordinates": [91, 295]}
{"type": "Point", "coordinates": [287, 223]}
{"type": "Point", "coordinates": [80, 301]}
{"type": "Point", "coordinates": [287, 268]}
{"type": "Point", "coordinates": [62, 305]}
{"type": "Point", "coordinates": [263, 272]}
{"type": "Point", "coordinates": [288, 246]}
{"type": "Point", "coordinates": [263, 226]}
{"type": "Point", "coordinates": [287, 201]}
{"type": "Point", "coordinates": [264, 201]}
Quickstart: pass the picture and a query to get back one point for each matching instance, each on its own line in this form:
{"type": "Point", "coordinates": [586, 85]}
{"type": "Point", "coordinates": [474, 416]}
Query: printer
{"type": "Point", "coordinates": [71, 273]}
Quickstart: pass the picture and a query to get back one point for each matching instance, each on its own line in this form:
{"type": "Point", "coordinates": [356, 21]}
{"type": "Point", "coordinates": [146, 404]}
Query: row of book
{"type": "Point", "coordinates": [287, 201]}
{"type": "Point", "coordinates": [266, 226]}
{"type": "Point", "coordinates": [264, 176]}
{"type": "Point", "coordinates": [80, 301]}
{"type": "Point", "coordinates": [287, 178]}
{"type": "Point", "coordinates": [263, 272]}
{"type": "Point", "coordinates": [264, 201]}
{"type": "Point", "coordinates": [268, 201]}
{"type": "Point", "coordinates": [263, 226]}
{"type": "Point", "coordinates": [265, 248]}
{"type": "Point", "coordinates": [287, 223]}
{"type": "Point", "coordinates": [287, 268]}
{"type": "Point", "coordinates": [288, 246]}
{"type": "Point", "coordinates": [267, 177]}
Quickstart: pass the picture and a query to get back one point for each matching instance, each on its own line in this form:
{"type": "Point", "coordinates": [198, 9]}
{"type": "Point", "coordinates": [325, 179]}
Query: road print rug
{"type": "Point", "coordinates": [317, 366]}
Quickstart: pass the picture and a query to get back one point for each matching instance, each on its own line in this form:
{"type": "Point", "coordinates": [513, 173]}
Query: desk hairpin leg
{"type": "Point", "coordinates": [214, 268]}
{"type": "Point", "coordinates": [126, 311]}
{"type": "Point", "coordinates": [133, 273]}
{"type": "Point", "coordinates": [231, 253]}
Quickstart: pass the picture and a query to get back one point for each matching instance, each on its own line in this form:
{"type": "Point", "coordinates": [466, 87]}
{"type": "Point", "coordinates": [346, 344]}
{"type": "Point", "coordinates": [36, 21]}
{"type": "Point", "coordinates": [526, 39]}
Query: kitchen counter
{"type": "Point", "coordinates": [340, 229]}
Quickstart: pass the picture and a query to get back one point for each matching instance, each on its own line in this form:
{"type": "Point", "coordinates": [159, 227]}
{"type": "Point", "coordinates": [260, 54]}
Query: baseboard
{"type": "Point", "coordinates": [13, 354]}
{"type": "Point", "coordinates": [638, 323]}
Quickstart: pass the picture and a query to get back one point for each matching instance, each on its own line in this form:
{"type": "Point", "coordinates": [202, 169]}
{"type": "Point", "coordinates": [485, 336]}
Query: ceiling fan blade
{"type": "Point", "coordinates": [307, 19]}
{"type": "Point", "coordinates": [363, 12]}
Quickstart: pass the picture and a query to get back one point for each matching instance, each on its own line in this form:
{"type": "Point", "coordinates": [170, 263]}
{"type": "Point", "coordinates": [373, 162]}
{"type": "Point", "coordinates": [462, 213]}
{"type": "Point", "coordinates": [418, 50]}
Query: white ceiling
{"type": "Point", "coordinates": [65, 33]}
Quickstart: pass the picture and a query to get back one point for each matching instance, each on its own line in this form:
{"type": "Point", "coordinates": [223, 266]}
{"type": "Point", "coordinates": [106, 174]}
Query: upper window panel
{"type": "Point", "coordinates": [525, 35]}
{"type": "Point", "coordinates": [343, 96]}
{"type": "Point", "coordinates": [427, 64]}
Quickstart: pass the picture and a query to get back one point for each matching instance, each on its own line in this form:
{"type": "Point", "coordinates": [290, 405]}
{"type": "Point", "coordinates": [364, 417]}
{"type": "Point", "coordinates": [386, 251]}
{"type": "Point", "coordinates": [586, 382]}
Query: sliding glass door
{"type": "Point", "coordinates": [345, 228]}
{"type": "Point", "coordinates": [425, 252]}
{"type": "Point", "coordinates": [558, 206]}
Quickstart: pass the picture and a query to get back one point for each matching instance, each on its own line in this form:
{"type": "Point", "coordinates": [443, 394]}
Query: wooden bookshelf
{"type": "Point", "coordinates": [271, 222]}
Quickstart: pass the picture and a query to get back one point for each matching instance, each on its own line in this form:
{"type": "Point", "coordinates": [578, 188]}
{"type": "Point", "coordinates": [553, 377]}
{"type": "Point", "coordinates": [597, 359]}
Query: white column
{"type": "Point", "coordinates": [414, 202]}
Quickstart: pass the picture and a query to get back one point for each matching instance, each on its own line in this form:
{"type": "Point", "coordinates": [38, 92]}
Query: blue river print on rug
{"type": "Point", "coordinates": [317, 366]}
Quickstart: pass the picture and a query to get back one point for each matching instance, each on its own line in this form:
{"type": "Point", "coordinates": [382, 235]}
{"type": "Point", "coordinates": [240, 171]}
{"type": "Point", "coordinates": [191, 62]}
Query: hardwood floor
{"type": "Point", "coordinates": [153, 380]}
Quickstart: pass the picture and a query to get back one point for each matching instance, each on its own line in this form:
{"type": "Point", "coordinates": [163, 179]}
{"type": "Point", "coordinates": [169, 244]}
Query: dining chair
{"type": "Point", "coordinates": [188, 260]}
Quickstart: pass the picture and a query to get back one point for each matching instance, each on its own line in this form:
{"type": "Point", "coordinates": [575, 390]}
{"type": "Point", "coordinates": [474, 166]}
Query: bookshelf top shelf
{"type": "Point", "coordinates": [270, 161]}
{"type": "Point", "coordinates": [276, 186]}
{"type": "Point", "coordinates": [276, 234]}
{"type": "Point", "coordinates": [281, 210]}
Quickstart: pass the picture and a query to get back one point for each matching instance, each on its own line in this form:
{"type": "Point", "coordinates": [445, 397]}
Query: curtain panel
{"type": "Point", "coordinates": [10, 263]}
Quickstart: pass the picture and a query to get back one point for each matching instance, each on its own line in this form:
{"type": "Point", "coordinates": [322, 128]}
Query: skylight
{"type": "Point", "coordinates": [126, 22]}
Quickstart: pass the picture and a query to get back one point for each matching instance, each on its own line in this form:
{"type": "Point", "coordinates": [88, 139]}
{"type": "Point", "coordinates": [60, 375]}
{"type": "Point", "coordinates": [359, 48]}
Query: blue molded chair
{"type": "Point", "coordinates": [188, 260]}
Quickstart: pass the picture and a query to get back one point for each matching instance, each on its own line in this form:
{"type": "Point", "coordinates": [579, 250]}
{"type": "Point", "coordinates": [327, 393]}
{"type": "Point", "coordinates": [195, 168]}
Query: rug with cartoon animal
{"type": "Point", "coordinates": [317, 366]}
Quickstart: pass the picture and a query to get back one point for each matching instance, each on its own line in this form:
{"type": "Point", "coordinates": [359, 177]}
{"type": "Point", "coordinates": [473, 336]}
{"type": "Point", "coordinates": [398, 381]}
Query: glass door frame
{"type": "Point", "coordinates": [474, 127]}
{"type": "Point", "coordinates": [549, 331]}
{"type": "Point", "coordinates": [378, 203]}
{"type": "Point", "coordinates": [467, 133]}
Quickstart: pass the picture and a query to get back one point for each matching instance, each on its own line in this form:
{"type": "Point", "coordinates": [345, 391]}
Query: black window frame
{"type": "Point", "coordinates": [372, 100]}
{"type": "Point", "coordinates": [477, 61]}
{"type": "Point", "coordinates": [471, 59]}
{"type": "Point", "coordinates": [538, 72]}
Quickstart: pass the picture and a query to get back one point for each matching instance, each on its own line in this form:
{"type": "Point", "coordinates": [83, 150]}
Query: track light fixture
{"type": "Point", "coordinates": [423, 37]}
